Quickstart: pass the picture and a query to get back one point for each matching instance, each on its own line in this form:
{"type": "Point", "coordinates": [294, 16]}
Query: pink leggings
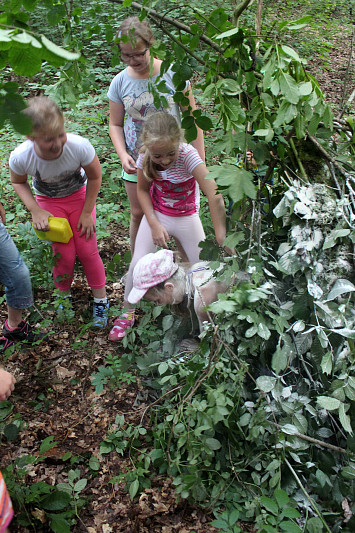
{"type": "Point", "coordinates": [70, 207]}
{"type": "Point", "coordinates": [188, 230]}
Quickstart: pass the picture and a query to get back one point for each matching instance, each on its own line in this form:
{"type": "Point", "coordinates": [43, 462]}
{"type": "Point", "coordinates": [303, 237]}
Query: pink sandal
{"type": "Point", "coordinates": [121, 326]}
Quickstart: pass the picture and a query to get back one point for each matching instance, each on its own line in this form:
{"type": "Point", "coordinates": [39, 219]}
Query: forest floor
{"type": "Point", "coordinates": [54, 396]}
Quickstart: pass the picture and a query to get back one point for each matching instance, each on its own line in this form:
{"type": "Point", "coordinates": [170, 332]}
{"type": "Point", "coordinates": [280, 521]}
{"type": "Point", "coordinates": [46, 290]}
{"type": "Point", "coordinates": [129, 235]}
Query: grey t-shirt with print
{"type": "Point", "coordinates": [59, 177]}
{"type": "Point", "coordinates": [138, 100]}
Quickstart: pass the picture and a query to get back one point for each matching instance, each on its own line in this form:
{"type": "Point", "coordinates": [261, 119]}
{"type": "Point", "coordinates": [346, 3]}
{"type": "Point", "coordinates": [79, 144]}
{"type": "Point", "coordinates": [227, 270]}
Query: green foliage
{"type": "Point", "coordinates": [57, 506]}
{"type": "Point", "coordinates": [226, 521]}
{"type": "Point", "coordinates": [9, 430]}
{"type": "Point", "coordinates": [114, 374]}
{"type": "Point", "coordinates": [124, 437]}
{"type": "Point", "coordinates": [25, 50]}
{"type": "Point", "coordinates": [278, 514]}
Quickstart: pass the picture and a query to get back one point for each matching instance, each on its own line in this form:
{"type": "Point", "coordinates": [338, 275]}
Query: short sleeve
{"type": "Point", "coordinates": [87, 152]}
{"type": "Point", "coordinates": [139, 162]}
{"type": "Point", "coordinates": [114, 91]}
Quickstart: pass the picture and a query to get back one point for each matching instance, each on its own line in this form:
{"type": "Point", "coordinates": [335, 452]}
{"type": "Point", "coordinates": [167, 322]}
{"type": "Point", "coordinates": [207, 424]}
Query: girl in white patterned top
{"type": "Point", "coordinates": [132, 101]}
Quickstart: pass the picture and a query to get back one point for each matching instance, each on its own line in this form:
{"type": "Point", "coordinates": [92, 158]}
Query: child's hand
{"type": "Point", "coordinates": [230, 251]}
{"type": "Point", "coordinates": [129, 165]}
{"type": "Point", "coordinates": [7, 384]}
{"type": "Point", "coordinates": [40, 219]}
{"type": "Point", "coordinates": [87, 225]}
{"type": "Point", "coordinates": [160, 235]}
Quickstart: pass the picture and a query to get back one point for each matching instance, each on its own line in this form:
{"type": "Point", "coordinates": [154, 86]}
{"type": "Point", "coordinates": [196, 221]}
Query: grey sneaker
{"type": "Point", "coordinates": [100, 314]}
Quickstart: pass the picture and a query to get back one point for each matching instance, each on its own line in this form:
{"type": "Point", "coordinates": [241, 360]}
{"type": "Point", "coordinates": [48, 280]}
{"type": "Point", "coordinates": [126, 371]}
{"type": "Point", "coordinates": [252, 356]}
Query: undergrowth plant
{"type": "Point", "coordinates": [41, 503]}
{"type": "Point", "coordinates": [256, 424]}
{"type": "Point", "coordinates": [259, 419]}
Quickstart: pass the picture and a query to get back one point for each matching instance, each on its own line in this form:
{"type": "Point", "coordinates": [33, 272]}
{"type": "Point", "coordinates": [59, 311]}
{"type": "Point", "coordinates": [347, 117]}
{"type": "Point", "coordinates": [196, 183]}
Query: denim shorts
{"type": "Point", "coordinates": [14, 274]}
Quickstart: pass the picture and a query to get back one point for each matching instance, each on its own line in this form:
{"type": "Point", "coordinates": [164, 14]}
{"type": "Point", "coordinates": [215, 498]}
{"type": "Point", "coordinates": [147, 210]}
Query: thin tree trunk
{"type": "Point", "coordinates": [259, 10]}
{"type": "Point", "coordinates": [239, 8]}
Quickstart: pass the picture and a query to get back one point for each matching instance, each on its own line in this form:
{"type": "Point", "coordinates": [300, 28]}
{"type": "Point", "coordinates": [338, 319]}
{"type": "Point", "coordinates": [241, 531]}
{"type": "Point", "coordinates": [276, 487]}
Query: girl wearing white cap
{"type": "Point", "coordinates": [157, 278]}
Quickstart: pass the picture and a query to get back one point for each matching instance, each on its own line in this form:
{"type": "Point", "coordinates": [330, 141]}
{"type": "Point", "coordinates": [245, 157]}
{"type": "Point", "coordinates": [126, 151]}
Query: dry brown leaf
{"type": "Point", "coordinates": [40, 515]}
{"type": "Point", "coordinates": [64, 373]}
{"type": "Point", "coordinates": [347, 511]}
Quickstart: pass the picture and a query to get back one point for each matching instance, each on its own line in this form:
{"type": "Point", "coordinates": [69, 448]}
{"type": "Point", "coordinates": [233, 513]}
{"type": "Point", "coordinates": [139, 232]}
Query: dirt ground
{"type": "Point", "coordinates": [54, 397]}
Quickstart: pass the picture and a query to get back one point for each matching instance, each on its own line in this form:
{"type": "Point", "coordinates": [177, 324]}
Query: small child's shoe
{"type": "Point", "coordinates": [23, 332]}
{"type": "Point", "coordinates": [100, 314]}
{"type": "Point", "coordinates": [121, 326]}
{"type": "Point", "coordinates": [5, 343]}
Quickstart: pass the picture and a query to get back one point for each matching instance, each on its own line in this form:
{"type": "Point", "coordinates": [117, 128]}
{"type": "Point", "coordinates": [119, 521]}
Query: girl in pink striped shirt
{"type": "Point", "coordinates": [7, 385]}
{"type": "Point", "coordinates": [170, 175]}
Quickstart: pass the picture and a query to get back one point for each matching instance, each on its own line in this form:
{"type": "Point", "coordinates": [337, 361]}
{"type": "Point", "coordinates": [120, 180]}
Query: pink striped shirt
{"type": "Point", "coordinates": [6, 511]}
{"type": "Point", "coordinates": [176, 193]}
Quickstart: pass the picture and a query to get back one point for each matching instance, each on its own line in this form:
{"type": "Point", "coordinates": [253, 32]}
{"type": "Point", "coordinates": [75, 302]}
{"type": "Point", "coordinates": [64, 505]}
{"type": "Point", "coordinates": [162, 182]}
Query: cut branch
{"type": "Point", "coordinates": [346, 78]}
{"type": "Point", "coordinates": [327, 156]}
{"type": "Point", "coordinates": [152, 13]}
{"type": "Point", "coordinates": [242, 6]}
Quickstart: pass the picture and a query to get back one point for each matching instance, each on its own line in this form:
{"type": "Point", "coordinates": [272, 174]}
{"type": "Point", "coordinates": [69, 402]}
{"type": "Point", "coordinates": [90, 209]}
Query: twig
{"type": "Point", "coordinates": [346, 78]}
{"type": "Point", "coordinates": [179, 25]}
{"type": "Point", "coordinates": [299, 162]}
{"type": "Point", "coordinates": [317, 442]}
{"type": "Point", "coordinates": [311, 500]}
{"type": "Point", "coordinates": [184, 47]}
{"type": "Point", "coordinates": [38, 311]}
{"type": "Point", "coordinates": [341, 193]}
{"type": "Point", "coordinates": [242, 6]}
{"type": "Point", "coordinates": [252, 223]}
{"type": "Point", "coordinates": [327, 156]}
{"type": "Point", "coordinates": [156, 401]}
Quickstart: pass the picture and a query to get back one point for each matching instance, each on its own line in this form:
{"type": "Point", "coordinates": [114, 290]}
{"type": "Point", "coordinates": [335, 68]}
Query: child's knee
{"type": "Point", "coordinates": [136, 214]}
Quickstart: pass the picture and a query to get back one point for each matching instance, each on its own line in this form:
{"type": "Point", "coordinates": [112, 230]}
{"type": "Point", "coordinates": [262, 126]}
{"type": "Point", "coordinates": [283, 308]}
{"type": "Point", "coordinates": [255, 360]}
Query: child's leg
{"type": "Point", "coordinates": [14, 274]}
{"type": "Point", "coordinates": [135, 209]}
{"type": "Point", "coordinates": [88, 254]}
{"type": "Point", "coordinates": [64, 268]}
{"type": "Point", "coordinates": [144, 245]}
{"type": "Point", "coordinates": [70, 207]}
{"type": "Point", "coordinates": [188, 230]}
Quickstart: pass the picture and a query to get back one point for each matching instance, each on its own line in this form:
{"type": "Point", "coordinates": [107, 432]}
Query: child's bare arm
{"type": "Point", "coordinates": [204, 296]}
{"type": "Point", "coordinates": [7, 384]}
{"type": "Point", "coordinates": [23, 189]}
{"type": "Point", "coordinates": [215, 203]}
{"type": "Point", "coordinates": [86, 222]}
{"type": "Point", "coordinates": [159, 233]}
{"type": "Point", "coordinates": [116, 124]}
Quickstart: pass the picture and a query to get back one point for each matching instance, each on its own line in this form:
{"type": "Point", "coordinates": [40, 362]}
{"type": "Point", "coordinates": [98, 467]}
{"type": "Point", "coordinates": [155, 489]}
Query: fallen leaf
{"type": "Point", "coordinates": [40, 515]}
{"type": "Point", "coordinates": [64, 373]}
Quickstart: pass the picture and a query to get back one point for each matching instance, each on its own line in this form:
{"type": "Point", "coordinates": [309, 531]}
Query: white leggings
{"type": "Point", "coordinates": [187, 230]}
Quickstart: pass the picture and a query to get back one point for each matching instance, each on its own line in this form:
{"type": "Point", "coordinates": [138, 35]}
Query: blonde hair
{"type": "Point", "coordinates": [158, 127]}
{"type": "Point", "coordinates": [136, 30]}
{"type": "Point", "coordinates": [45, 114]}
